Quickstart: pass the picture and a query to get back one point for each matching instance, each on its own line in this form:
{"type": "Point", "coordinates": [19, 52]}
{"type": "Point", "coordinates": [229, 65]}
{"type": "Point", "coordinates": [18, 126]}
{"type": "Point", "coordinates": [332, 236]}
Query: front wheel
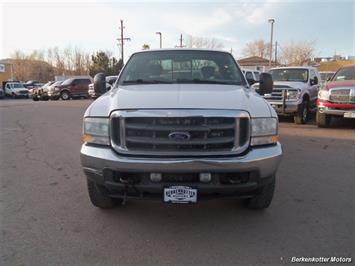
{"type": "Point", "coordinates": [323, 120]}
{"type": "Point", "coordinates": [99, 196]}
{"type": "Point", "coordinates": [65, 95]}
{"type": "Point", "coordinates": [302, 115]}
{"type": "Point", "coordinates": [263, 199]}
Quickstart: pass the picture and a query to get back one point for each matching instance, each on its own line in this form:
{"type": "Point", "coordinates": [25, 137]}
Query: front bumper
{"type": "Point", "coordinates": [100, 164]}
{"type": "Point", "coordinates": [328, 108]}
{"type": "Point", "coordinates": [288, 108]}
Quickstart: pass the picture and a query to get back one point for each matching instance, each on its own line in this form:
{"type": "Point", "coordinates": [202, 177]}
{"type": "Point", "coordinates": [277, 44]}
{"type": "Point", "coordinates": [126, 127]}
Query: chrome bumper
{"type": "Point", "coordinates": [288, 108]}
{"type": "Point", "coordinates": [265, 160]}
{"type": "Point", "coordinates": [330, 111]}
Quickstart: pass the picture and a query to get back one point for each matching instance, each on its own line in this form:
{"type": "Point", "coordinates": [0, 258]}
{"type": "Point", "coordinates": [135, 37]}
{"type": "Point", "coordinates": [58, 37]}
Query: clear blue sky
{"type": "Point", "coordinates": [94, 25]}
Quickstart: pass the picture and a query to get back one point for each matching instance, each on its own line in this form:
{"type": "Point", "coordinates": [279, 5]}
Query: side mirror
{"type": "Point", "coordinates": [99, 83]}
{"type": "Point", "coordinates": [265, 84]}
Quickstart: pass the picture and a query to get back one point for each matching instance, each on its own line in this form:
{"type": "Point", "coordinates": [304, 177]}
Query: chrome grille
{"type": "Point", "coordinates": [344, 95]}
{"type": "Point", "coordinates": [276, 95]}
{"type": "Point", "coordinates": [200, 132]}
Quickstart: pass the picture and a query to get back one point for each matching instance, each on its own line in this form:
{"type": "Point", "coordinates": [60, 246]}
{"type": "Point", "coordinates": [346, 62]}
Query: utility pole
{"type": "Point", "coordinates": [160, 39]}
{"type": "Point", "coordinates": [272, 21]}
{"type": "Point", "coordinates": [180, 46]}
{"type": "Point", "coordinates": [275, 53]}
{"type": "Point", "coordinates": [122, 40]}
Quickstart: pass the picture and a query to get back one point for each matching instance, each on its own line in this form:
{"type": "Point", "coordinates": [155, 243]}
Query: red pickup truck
{"type": "Point", "coordinates": [337, 97]}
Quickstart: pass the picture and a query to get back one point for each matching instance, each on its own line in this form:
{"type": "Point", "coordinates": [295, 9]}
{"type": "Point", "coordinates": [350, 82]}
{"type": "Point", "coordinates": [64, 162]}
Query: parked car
{"type": "Point", "coordinates": [16, 90]}
{"type": "Point", "coordinates": [71, 88]}
{"type": "Point", "coordinates": [172, 136]}
{"type": "Point", "coordinates": [252, 76]}
{"type": "Point", "coordinates": [30, 84]}
{"type": "Point", "coordinates": [41, 93]}
{"type": "Point", "coordinates": [2, 93]}
{"type": "Point", "coordinates": [295, 91]}
{"type": "Point", "coordinates": [325, 76]}
{"type": "Point", "coordinates": [337, 97]}
{"type": "Point", "coordinates": [110, 80]}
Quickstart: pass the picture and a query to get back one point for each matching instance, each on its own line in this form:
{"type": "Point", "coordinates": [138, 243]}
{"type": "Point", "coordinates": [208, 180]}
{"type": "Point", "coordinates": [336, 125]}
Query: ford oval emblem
{"type": "Point", "coordinates": [179, 136]}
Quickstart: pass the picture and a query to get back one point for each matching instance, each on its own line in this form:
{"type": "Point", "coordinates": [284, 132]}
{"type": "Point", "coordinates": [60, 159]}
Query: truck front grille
{"type": "Point", "coordinates": [342, 96]}
{"type": "Point", "coordinates": [180, 135]}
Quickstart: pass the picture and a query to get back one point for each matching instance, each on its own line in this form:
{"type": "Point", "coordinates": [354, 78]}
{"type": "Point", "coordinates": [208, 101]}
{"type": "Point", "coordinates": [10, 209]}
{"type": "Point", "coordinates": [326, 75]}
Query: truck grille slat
{"type": "Point", "coordinates": [188, 142]}
{"type": "Point", "coordinates": [202, 134]}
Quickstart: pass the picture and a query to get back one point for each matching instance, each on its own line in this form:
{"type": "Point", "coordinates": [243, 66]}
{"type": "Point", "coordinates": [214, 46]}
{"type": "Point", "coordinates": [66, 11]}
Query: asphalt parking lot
{"type": "Point", "coordinates": [46, 217]}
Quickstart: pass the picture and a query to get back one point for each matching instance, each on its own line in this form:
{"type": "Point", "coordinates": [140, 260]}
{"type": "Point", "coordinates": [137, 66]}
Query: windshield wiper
{"type": "Point", "coordinates": [146, 81]}
{"type": "Point", "coordinates": [205, 81]}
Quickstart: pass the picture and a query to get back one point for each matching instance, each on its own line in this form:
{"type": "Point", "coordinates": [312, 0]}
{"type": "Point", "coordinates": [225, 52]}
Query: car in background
{"type": "Point", "coordinates": [2, 93]}
{"type": "Point", "coordinates": [110, 80]}
{"type": "Point", "coordinates": [71, 88]}
{"type": "Point", "coordinates": [325, 76]}
{"type": "Point", "coordinates": [251, 75]}
{"type": "Point", "coordinates": [294, 92]}
{"type": "Point", "coordinates": [16, 90]}
{"type": "Point", "coordinates": [41, 93]}
{"type": "Point", "coordinates": [337, 97]}
{"type": "Point", "coordinates": [31, 84]}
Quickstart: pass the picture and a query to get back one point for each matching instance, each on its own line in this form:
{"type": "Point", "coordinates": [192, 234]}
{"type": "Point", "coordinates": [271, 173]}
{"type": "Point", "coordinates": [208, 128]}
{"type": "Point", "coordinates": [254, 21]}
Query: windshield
{"type": "Point", "coordinates": [290, 74]}
{"type": "Point", "coordinates": [347, 73]}
{"type": "Point", "coordinates": [17, 86]}
{"type": "Point", "coordinates": [325, 76]}
{"type": "Point", "coordinates": [67, 82]}
{"type": "Point", "coordinates": [181, 66]}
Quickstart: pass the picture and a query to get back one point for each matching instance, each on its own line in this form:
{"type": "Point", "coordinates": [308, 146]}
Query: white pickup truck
{"type": "Point", "coordinates": [16, 90]}
{"type": "Point", "coordinates": [295, 91]}
{"type": "Point", "coordinates": [181, 125]}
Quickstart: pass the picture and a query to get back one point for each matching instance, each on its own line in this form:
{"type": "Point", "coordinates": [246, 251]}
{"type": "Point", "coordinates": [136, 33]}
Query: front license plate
{"type": "Point", "coordinates": [349, 114]}
{"type": "Point", "coordinates": [180, 194]}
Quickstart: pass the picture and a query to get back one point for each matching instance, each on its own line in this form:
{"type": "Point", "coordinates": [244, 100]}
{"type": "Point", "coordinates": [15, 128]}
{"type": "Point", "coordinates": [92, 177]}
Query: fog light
{"type": "Point", "coordinates": [205, 177]}
{"type": "Point", "coordinates": [155, 177]}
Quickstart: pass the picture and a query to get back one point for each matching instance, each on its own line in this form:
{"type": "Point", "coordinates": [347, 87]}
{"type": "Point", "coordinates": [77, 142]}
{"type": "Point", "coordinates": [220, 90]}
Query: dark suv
{"type": "Point", "coordinates": [71, 88]}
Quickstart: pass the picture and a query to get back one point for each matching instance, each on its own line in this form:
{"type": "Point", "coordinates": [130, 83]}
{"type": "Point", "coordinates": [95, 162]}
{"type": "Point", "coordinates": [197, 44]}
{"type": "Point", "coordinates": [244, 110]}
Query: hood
{"type": "Point", "coordinates": [290, 84]}
{"type": "Point", "coordinates": [338, 84]}
{"type": "Point", "coordinates": [180, 96]}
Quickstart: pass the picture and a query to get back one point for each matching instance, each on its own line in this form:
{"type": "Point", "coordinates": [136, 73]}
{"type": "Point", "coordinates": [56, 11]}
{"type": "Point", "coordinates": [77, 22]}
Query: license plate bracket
{"type": "Point", "coordinates": [180, 194]}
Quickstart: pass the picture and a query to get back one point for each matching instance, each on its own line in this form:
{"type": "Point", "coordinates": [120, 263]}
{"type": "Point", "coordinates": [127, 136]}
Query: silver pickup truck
{"type": "Point", "coordinates": [181, 125]}
{"type": "Point", "coordinates": [295, 91]}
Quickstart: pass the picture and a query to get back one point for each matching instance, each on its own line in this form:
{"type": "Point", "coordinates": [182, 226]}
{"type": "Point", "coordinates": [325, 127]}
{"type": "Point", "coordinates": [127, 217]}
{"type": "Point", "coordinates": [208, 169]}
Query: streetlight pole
{"type": "Point", "coordinates": [160, 38]}
{"type": "Point", "coordinates": [272, 21]}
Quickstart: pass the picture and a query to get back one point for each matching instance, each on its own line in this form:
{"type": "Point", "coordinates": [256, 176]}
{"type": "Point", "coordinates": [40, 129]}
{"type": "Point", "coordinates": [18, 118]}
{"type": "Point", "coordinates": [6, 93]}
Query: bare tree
{"type": "Point", "coordinates": [145, 47]}
{"type": "Point", "coordinates": [297, 53]}
{"type": "Point", "coordinates": [257, 48]}
{"type": "Point", "coordinates": [203, 42]}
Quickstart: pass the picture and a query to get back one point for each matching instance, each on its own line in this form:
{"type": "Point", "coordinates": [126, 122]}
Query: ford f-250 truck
{"type": "Point", "coordinates": [295, 91]}
{"type": "Point", "coordinates": [181, 125]}
{"type": "Point", "coordinates": [337, 97]}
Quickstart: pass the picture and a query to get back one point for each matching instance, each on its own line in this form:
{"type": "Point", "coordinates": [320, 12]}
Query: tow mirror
{"type": "Point", "coordinates": [99, 83]}
{"type": "Point", "coordinates": [314, 81]}
{"type": "Point", "coordinates": [265, 83]}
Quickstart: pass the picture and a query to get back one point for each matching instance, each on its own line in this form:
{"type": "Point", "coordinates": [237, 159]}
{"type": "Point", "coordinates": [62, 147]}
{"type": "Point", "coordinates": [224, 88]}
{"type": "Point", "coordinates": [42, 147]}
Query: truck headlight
{"type": "Point", "coordinates": [96, 131]}
{"type": "Point", "coordinates": [293, 94]}
{"type": "Point", "coordinates": [323, 95]}
{"type": "Point", "coordinates": [264, 131]}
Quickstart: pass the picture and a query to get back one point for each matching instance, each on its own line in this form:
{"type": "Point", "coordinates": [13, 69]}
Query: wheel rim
{"type": "Point", "coordinates": [65, 96]}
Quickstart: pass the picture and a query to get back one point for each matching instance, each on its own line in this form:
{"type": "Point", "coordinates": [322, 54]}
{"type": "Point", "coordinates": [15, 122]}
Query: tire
{"type": "Point", "coordinates": [323, 120]}
{"type": "Point", "coordinates": [99, 196]}
{"type": "Point", "coordinates": [303, 113]}
{"type": "Point", "coordinates": [65, 96]}
{"type": "Point", "coordinates": [35, 98]}
{"type": "Point", "coordinates": [263, 199]}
